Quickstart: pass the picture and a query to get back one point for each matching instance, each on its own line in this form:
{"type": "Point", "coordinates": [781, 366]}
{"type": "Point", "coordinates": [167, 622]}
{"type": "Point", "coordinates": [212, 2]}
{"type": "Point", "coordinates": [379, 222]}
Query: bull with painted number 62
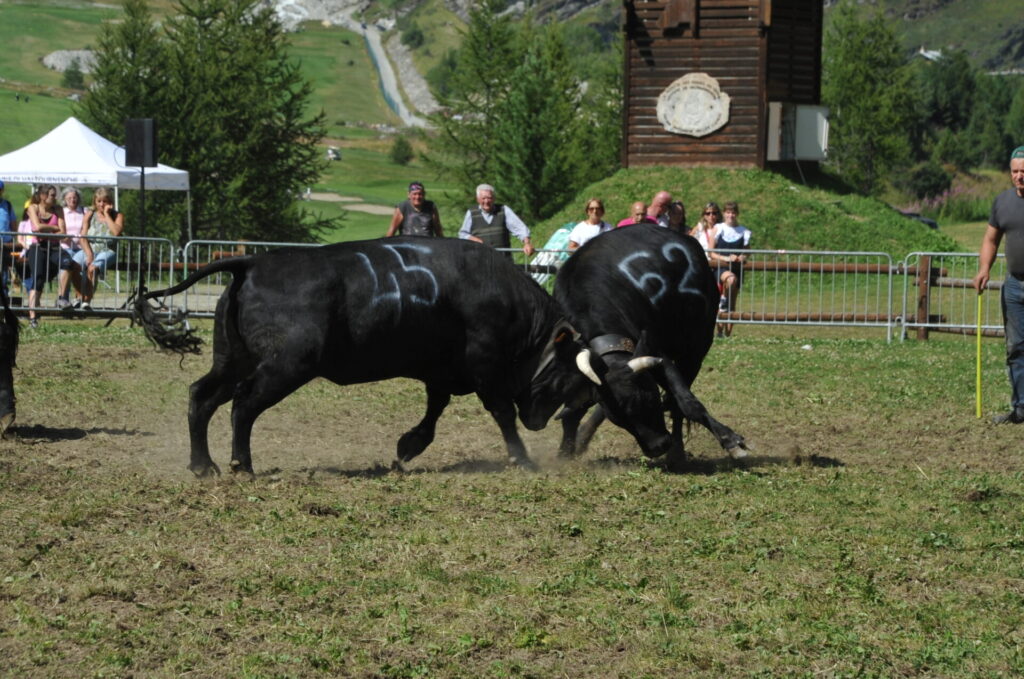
{"type": "Point", "coordinates": [456, 315]}
{"type": "Point", "coordinates": [644, 302]}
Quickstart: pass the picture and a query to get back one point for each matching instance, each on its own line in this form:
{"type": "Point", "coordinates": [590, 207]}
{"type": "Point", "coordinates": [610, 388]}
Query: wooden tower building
{"type": "Point", "coordinates": [726, 83]}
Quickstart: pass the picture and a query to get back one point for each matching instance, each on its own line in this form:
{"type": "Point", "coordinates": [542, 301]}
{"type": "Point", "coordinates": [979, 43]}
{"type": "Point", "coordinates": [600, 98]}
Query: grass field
{"type": "Point", "coordinates": [24, 122]}
{"type": "Point", "coordinates": [875, 532]}
{"type": "Point", "coordinates": [365, 171]}
{"type": "Point", "coordinates": [442, 27]}
{"type": "Point", "coordinates": [33, 30]}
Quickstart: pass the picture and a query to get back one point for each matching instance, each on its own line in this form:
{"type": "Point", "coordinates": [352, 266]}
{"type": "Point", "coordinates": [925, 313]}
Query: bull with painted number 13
{"type": "Point", "coordinates": [644, 302]}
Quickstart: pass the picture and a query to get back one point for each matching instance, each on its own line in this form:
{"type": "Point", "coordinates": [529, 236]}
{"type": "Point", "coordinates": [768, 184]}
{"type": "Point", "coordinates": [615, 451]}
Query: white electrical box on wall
{"type": "Point", "coordinates": [797, 132]}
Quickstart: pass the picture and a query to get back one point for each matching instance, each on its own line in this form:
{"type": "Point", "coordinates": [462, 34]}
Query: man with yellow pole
{"type": "Point", "coordinates": [1007, 219]}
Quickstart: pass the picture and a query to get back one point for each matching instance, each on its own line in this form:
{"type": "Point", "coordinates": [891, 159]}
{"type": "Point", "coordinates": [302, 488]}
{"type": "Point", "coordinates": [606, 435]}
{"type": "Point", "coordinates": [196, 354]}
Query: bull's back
{"type": "Point", "coordinates": [370, 310]}
{"type": "Point", "coordinates": [641, 278]}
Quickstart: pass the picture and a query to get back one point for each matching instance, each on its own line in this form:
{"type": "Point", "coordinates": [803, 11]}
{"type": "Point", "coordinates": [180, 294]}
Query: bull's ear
{"type": "Point", "coordinates": [642, 363]}
{"type": "Point", "coordinates": [642, 346]}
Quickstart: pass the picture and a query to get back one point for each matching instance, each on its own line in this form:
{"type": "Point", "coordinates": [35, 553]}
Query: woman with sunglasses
{"type": "Point", "coordinates": [593, 226]}
{"type": "Point", "coordinates": [705, 229]}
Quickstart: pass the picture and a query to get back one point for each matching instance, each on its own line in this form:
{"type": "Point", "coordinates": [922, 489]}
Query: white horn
{"type": "Point", "coordinates": [583, 363]}
{"type": "Point", "coordinates": [642, 363]}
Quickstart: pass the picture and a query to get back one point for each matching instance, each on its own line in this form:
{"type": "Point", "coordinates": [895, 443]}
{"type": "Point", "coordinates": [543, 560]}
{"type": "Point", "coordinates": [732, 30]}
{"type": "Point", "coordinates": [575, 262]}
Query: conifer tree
{"type": "Point", "coordinates": [465, 145]}
{"type": "Point", "coordinates": [230, 108]}
{"type": "Point", "coordinates": [73, 77]}
{"type": "Point", "coordinates": [538, 128]}
{"type": "Point", "coordinates": [514, 115]}
{"type": "Point", "coordinates": [865, 83]}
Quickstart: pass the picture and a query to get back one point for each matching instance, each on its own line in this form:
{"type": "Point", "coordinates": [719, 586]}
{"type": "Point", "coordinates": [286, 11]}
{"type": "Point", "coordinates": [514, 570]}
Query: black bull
{"type": "Point", "coordinates": [9, 330]}
{"type": "Point", "coordinates": [644, 302]}
{"type": "Point", "coordinates": [453, 314]}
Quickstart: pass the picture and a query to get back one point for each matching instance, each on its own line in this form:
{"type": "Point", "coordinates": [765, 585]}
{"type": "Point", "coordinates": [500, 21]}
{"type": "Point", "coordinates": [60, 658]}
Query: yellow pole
{"type": "Point", "coordinates": [977, 372]}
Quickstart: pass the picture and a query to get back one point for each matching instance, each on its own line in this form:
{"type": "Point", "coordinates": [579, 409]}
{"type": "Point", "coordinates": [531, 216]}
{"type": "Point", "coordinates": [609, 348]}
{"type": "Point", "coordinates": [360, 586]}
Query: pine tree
{"type": "Point", "coordinates": [465, 146]}
{"type": "Point", "coordinates": [866, 85]}
{"type": "Point", "coordinates": [230, 108]}
{"type": "Point", "coordinates": [73, 77]}
{"type": "Point", "coordinates": [401, 152]}
{"type": "Point", "coordinates": [514, 115]}
{"type": "Point", "coordinates": [538, 129]}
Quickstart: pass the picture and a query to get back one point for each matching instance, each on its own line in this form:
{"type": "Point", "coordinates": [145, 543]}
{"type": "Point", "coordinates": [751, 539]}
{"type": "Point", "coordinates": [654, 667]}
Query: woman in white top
{"type": "Point", "coordinates": [730, 235]}
{"type": "Point", "coordinates": [73, 216]}
{"type": "Point", "coordinates": [593, 226]}
{"type": "Point", "coordinates": [704, 230]}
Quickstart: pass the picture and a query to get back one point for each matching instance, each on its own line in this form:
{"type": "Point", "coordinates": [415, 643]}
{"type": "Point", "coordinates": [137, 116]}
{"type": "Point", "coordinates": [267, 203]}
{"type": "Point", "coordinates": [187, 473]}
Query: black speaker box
{"type": "Point", "coordinates": [140, 142]}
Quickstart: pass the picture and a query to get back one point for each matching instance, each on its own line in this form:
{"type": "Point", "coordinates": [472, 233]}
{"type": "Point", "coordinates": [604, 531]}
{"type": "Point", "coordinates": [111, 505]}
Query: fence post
{"type": "Point", "coordinates": [924, 280]}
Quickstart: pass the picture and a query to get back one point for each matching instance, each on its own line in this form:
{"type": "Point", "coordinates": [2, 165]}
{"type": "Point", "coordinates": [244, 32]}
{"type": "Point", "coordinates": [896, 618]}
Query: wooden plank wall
{"type": "Point", "coordinates": [732, 41]}
{"type": "Point", "coordinates": [794, 52]}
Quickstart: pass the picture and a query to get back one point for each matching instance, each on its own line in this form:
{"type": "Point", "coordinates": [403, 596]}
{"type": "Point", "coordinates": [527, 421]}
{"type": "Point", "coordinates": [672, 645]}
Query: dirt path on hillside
{"type": "Point", "coordinates": [352, 203]}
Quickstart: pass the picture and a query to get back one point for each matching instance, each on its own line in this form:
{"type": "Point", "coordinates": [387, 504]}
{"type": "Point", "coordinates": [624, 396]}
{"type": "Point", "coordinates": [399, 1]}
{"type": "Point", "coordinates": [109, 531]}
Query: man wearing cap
{"type": "Point", "coordinates": [490, 223]}
{"type": "Point", "coordinates": [8, 224]}
{"type": "Point", "coordinates": [416, 216]}
{"type": "Point", "coordinates": [1007, 219]}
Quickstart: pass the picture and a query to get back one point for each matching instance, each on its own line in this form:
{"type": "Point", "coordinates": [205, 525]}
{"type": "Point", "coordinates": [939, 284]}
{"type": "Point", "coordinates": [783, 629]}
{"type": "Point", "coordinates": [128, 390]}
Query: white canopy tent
{"type": "Point", "coordinates": [71, 154]}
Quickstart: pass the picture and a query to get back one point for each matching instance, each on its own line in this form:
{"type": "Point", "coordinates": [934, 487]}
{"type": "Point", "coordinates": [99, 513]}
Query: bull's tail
{"type": "Point", "coordinates": [171, 331]}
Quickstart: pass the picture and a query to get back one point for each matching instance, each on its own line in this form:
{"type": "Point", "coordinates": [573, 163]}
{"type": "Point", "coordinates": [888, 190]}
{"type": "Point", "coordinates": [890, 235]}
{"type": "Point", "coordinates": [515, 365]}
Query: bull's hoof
{"type": "Point", "coordinates": [238, 468]}
{"type": "Point", "coordinates": [398, 466]}
{"type": "Point", "coordinates": [738, 453]}
{"type": "Point", "coordinates": [5, 423]}
{"type": "Point", "coordinates": [677, 462]}
{"type": "Point", "coordinates": [523, 462]}
{"type": "Point", "coordinates": [205, 471]}
{"type": "Point", "coordinates": [731, 441]}
{"type": "Point", "coordinates": [412, 443]}
{"type": "Point", "coordinates": [568, 451]}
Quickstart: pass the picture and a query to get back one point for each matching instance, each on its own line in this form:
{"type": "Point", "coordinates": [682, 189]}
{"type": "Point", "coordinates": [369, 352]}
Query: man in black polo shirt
{"type": "Point", "coordinates": [1007, 219]}
{"type": "Point", "coordinates": [490, 223]}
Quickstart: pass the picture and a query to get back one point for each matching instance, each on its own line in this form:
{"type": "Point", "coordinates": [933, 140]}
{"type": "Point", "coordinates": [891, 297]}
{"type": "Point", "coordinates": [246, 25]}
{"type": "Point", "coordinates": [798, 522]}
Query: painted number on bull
{"type": "Point", "coordinates": [420, 278]}
{"type": "Point", "coordinates": [654, 284]}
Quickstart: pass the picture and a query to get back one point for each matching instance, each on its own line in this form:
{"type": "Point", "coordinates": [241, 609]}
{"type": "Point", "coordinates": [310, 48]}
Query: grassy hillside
{"type": "Point", "coordinates": [346, 86]}
{"type": "Point", "coordinates": [441, 30]}
{"type": "Point", "coordinates": [990, 31]}
{"type": "Point", "coordinates": [30, 31]}
{"type": "Point", "coordinates": [24, 122]}
{"type": "Point", "coordinates": [782, 213]}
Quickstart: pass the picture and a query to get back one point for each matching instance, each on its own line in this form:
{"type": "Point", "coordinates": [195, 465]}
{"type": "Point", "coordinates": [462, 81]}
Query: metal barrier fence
{"type": "Point", "coordinates": [779, 287]}
{"type": "Point", "coordinates": [805, 287]}
{"type": "Point", "coordinates": [47, 266]}
{"type": "Point", "coordinates": [791, 287]}
{"type": "Point", "coordinates": [938, 295]}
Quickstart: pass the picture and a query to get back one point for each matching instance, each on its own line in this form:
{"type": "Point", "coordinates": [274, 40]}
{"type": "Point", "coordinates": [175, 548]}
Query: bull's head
{"type": "Point", "coordinates": [629, 391]}
{"type": "Point", "coordinates": [555, 381]}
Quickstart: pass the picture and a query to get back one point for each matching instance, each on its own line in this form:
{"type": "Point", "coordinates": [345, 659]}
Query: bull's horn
{"type": "Point", "coordinates": [642, 363]}
{"type": "Point", "coordinates": [583, 363]}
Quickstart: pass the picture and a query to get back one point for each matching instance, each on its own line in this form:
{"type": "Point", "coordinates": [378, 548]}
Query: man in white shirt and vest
{"type": "Point", "coordinates": [490, 223]}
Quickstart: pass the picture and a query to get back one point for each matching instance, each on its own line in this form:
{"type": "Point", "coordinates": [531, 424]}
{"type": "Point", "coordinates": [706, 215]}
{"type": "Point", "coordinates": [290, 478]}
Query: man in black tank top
{"type": "Point", "coordinates": [490, 223]}
{"type": "Point", "coordinates": [416, 216]}
{"type": "Point", "coordinates": [1007, 219]}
